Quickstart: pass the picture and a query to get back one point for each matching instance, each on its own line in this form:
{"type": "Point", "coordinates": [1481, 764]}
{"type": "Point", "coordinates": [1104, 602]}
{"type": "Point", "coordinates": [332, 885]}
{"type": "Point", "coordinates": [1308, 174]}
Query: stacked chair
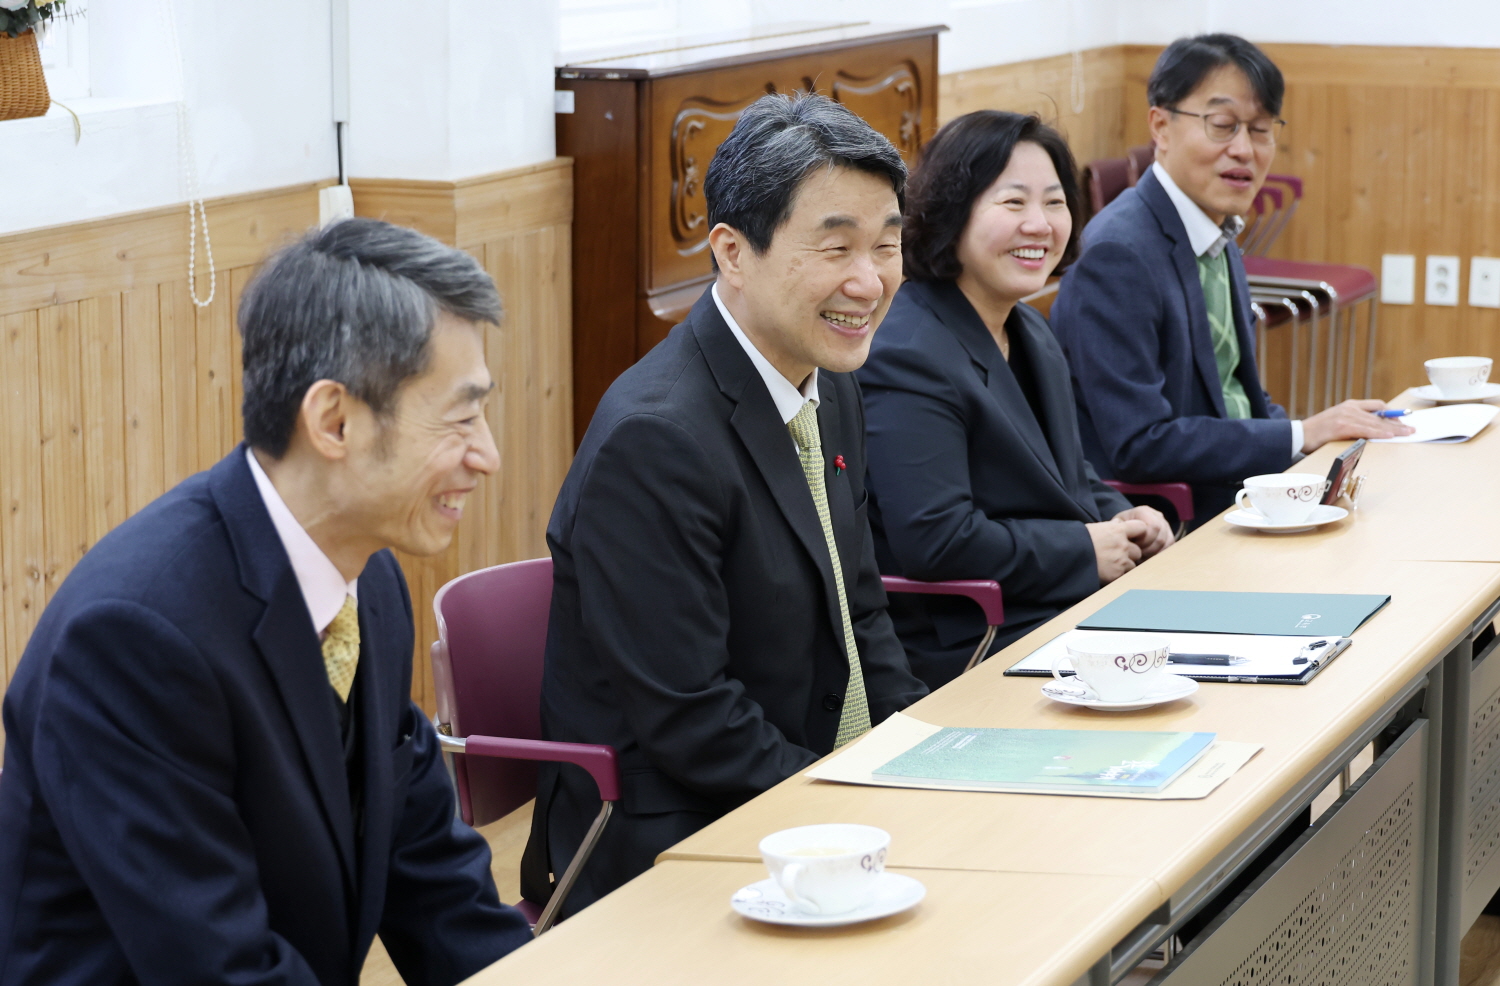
{"type": "Point", "coordinates": [1324, 297]}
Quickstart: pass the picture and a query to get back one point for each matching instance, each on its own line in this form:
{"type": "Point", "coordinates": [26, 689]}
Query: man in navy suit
{"type": "Point", "coordinates": [1155, 315]}
{"type": "Point", "coordinates": [213, 770]}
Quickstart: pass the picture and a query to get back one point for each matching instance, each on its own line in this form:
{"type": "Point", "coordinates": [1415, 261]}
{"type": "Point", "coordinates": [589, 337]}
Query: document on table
{"type": "Point", "coordinates": [858, 761]}
{"type": "Point", "coordinates": [1266, 656]}
{"type": "Point", "coordinates": [1450, 424]}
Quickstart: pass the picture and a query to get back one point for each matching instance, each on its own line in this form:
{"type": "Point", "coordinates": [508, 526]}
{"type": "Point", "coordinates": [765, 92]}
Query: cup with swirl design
{"type": "Point", "coordinates": [1283, 497]}
{"type": "Point", "coordinates": [1117, 667]}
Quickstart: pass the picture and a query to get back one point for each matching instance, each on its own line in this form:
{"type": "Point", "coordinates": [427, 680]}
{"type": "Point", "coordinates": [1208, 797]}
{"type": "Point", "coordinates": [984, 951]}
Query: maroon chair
{"type": "Point", "coordinates": [1105, 179]}
{"type": "Point", "coordinates": [1140, 159]}
{"type": "Point", "coordinates": [985, 592]}
{"type": "Point", "coordinates": [1342, 287]}
{"type": "Point", "coordinates": [487, 667]}
{"type": "Point", "coordinates": [1179, 495]}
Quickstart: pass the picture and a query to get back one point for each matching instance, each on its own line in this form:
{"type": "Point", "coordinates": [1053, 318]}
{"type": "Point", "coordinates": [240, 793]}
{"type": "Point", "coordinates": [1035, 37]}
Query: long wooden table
{"type": "Point", "coordinates": [1049, 889]}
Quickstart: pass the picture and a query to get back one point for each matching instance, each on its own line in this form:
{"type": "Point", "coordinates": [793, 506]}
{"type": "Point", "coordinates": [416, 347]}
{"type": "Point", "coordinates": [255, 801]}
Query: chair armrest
{"type": "Point", "coordinates": [985, 592]}
{"type": "Point", "coordinates": [599, 761]}
{"type": "Point", "coordinates": [1179, 495]}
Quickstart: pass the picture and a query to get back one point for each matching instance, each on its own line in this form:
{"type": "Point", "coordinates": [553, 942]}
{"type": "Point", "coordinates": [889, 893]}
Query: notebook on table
{"type": "Point", "coordinates": [1291, 614]}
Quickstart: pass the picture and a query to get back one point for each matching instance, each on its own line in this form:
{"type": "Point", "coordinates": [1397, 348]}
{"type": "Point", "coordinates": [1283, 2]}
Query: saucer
{"type": "Point", "coordinates": [1323, 513]}
{"type": "Point", "coordinates": [1069, 693]}
{"type": "Point", "coordinates": [1429, 392]}
{"type": "Point", "coordinates": [764, 901]}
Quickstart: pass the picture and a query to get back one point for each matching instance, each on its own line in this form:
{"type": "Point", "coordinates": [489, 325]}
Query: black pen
{"type": "Point", "coordinates": [1221, 660]}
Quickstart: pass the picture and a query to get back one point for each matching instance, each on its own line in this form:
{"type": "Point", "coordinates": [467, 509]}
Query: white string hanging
{"type": "Point", "coordinates": [187, 158]}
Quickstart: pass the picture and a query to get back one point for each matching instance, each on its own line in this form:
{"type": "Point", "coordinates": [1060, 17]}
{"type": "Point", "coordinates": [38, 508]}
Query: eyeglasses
{"type": "Point", "coordinates": [1221, 127]}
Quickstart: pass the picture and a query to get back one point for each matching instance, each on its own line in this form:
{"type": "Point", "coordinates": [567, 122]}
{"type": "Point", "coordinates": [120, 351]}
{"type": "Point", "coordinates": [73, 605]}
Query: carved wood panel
{"type": "Point", "coordinates": [891, 85]}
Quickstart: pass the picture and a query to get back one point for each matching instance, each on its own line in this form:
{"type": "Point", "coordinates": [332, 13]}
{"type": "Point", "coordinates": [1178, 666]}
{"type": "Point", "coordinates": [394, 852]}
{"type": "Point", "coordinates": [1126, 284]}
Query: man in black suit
{"type": "Point", "coordinates": [717, 615]}
{"type": "Point", "coordinates": [214, 772]}
{"type": "Point", "coordinates": [1155, 316]}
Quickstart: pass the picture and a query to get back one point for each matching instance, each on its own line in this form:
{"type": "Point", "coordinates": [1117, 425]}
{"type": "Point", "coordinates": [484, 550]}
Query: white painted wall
{"type": "Point", "coordinates": [463, 90]}
{"type": "Point", "coordinates": [466, 87]}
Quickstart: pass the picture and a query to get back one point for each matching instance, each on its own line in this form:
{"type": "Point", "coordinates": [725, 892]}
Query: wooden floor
{"type": "Point", "coordinates": [1479, 965]}
{"type": "Point", "coordinates": [507, 839]}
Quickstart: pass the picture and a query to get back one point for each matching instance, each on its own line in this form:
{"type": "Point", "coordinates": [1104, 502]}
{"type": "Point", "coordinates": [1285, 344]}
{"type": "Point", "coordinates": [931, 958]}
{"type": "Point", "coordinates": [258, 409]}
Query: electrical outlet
{"type": "Point", "coordinates": [1484, 282]}
{"type": "Point", "coordinates": [1442, 280]}
{"type": "Point", "coordinates": [1398, 279]}
{"type": "Point", "coordinates": [334, 203]}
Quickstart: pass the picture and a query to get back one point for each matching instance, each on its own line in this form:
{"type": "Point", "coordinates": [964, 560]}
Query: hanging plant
{"type": "Point", "coordinates": [19, 16]}
{"type": "Point", "coordinates": [23, 86]}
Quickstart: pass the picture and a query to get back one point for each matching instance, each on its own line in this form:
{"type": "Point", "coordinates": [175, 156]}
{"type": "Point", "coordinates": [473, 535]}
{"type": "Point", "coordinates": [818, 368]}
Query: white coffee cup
{"type": "Point", "coordinates": [1457, 377]}
{"type": "Point", "coordinates": [1117, 667]}
{"type": "Point", "coordinates": [1283, 497]}
{"type": "Point", "coordinates": [826, 869]}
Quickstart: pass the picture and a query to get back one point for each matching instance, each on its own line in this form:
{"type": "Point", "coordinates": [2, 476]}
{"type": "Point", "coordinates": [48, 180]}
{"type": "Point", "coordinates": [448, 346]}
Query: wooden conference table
{"type": "Point", "coordinates": [1054, 890]}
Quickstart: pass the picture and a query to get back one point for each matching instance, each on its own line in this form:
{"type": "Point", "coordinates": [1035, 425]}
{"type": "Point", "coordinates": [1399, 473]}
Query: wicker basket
{"type": "Point", "coordinates": [23, 87]}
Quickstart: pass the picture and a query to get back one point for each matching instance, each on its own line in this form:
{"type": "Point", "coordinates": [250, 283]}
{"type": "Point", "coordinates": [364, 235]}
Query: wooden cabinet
{"type": "Point", "coordinates": [642, 132]}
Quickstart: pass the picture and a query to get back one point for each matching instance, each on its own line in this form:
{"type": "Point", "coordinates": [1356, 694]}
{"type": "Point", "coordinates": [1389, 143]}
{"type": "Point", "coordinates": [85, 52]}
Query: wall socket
{"type": "Point", "coordinates": [1442, 280]}
{"type": "Point", "coordinates": [1398, 279]}
{"type": "Point", "coordinates": [1484, 282]}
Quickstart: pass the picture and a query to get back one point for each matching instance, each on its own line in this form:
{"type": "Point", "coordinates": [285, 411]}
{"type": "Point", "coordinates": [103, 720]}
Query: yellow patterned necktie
{"type": "Point", "coordinates": [341, 648]}
{"type": "Point", "coordinates": [855, 717]}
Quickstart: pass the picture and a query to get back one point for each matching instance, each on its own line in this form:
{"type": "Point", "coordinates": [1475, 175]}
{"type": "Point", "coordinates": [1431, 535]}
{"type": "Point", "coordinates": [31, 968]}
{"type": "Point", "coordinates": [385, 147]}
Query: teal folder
{"type": "Point", "coordinates": [1291, 614]}
{"type": "Point", "coordinates": [1050, 760]}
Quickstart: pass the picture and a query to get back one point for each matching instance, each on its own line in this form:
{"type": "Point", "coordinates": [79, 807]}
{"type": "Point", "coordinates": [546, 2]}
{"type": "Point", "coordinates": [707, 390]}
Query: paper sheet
{"type": "Point", "coordinates": [899, 733]}
{"type": "Point", "coordinates": [1268, 655]}
{"type": "Point", "coordinates": [1449, 424]}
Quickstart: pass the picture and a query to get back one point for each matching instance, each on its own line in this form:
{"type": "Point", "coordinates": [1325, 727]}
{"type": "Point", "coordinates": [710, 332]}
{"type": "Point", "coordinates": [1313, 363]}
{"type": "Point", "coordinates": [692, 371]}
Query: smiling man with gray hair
{"type": "Point", "coordinates": [717, 615]}
{"type": "Point", "coordinates": [214, 772]}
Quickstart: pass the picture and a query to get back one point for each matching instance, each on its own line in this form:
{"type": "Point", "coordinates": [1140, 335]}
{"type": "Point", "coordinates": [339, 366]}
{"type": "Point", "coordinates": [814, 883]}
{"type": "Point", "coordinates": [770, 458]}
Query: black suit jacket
{"type": "Point", "coordinates": [175, 805]}
{"type": "Point", "coordinates": [694, 625]}
{"type": "Point", "coordinates": [1131, 317]}
{"type": "Point", "coordinates": [966, 483]}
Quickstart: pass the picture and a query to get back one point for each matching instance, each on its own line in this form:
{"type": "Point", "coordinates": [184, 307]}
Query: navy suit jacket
{"type": "Point", "coordinates": [966, 483]}
{"type": "Point", "coordinates": [1131, 317]}
{"type": "Point", "coordinates": [175, 805]}
{"type": "Point", "coordinates": [695, 626]}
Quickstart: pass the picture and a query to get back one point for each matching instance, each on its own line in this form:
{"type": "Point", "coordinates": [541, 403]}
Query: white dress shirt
{"type": "Point", "coordinates": [323, 586]}
{"type": "Point", "coordinates": [789, 399]}
{"type": "Point", "coordinates": [1207, 237]}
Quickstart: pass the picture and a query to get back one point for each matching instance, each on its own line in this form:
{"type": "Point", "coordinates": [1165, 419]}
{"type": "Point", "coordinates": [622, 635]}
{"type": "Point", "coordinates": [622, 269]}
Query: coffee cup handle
{"type": "Point", "coordinates": [1241, 501]}
{"type": "Point", "coordinates": [788, 881]}
{"type": "Point", "coordinates": [1055, 659]}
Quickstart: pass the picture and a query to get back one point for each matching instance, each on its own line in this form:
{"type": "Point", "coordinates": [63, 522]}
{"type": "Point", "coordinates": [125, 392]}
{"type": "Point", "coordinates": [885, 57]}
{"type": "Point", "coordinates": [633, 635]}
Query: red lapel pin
{"type": "Point", "coordinates": [838, 464]}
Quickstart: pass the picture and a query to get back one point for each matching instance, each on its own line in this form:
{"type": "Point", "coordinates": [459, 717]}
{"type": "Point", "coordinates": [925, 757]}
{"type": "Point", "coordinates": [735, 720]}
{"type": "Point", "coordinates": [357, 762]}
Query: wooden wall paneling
{"type": "Point", "coordinates": [145, 440]}
{"type": "Point", "coordinates": [103, 372]}
{"type": "Point", "coordinates": [179, 379]}
{"type": "Point", "coordinates": [215, 340]}
{"type": "Point", "coordinates": [238, 279]}
{"type": "Point", "coordinates": [81, 260]}
{"type": "Point", "coordinates": [1045, 87]}
{"type": "Point", "coordinates": [22, 546]}
{"type": "Point", "coordinates": [519, 221]}
{"type": "Point", "coordinates": [64, 491]}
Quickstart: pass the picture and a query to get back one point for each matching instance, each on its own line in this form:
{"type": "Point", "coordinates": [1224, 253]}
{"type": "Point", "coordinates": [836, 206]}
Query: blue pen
{"type": "Point", "coordinates": [1392, 414]}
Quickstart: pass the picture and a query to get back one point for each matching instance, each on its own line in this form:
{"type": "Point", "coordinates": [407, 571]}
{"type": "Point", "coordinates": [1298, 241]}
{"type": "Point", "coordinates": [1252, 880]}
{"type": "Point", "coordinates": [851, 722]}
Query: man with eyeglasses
{"type": "Point", "coordinates": [1155, 315]}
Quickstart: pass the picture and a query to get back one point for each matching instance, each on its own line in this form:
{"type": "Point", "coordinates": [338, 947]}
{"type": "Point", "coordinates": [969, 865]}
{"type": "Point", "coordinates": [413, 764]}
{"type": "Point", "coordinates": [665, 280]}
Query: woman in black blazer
{"type": "Point", "coordinates": [976, 470]}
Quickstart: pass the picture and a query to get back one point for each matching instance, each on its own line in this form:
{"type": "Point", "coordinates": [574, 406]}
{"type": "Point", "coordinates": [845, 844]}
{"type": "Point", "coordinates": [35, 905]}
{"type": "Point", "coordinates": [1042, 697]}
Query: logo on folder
{"type": "Point", "coordinates": [1307, 619]}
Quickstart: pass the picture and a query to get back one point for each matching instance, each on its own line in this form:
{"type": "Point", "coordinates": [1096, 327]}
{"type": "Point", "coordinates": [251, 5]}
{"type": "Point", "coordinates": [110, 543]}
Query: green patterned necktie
{"type": "Point", "coordinates": [855, 718]}
{"type": "Point", "coordinates": [1213, 273]}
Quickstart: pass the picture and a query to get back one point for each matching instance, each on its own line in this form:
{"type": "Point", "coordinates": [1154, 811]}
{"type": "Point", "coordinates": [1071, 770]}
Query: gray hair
{"type": "Point", "coordinates": [776, 143]}
{"type": "Point", "coordinates": [354, 302]}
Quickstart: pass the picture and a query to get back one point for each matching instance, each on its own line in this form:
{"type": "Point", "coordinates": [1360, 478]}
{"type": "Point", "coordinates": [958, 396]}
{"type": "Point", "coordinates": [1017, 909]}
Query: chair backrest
{"type": "Point", "coordinates": [1140, 159]}
{"type": "Point", "coordinates": [487, 666]}
{"type": "Point", "coordinates": [1106, 179]}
